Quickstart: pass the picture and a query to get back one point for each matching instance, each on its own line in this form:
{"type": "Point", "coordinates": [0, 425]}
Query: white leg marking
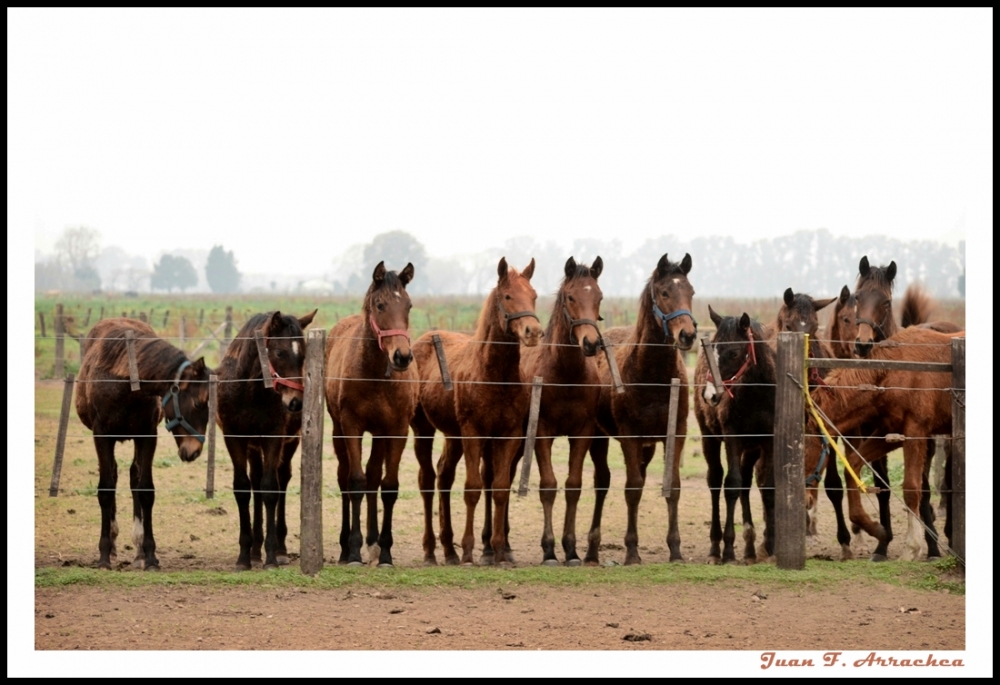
{"type": "Point", "coordinates": [137, 538]}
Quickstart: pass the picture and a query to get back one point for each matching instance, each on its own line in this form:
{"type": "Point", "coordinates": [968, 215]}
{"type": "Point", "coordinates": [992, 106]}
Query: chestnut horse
{"type": "Point", "coordinates": [915, 404]}
{"type": "Point", "coordinates": [261, 427]}
{"type": "Point", "coordinates": [742, 417]}
{"type": "Point", "coordinates": [488, 409]}
{"type": "Point", "coordinates": [649, 358]}
{"type": "Point", "coordinates": [170, 387]}
{"type": "Point", "coordinates": [371, 386]}
{"type": "Point", "coordinates": [570, 391]}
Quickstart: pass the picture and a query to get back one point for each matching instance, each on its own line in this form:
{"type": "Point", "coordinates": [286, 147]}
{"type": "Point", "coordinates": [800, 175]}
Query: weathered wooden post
{"type": "Point", "coordinates": [100, 316]}
{"type": "Point", "coordinates": [616, 377]}
{"type": "Point", "coordinates": [41, 321]}
{"type": "Point", "coordinates": [86, 322]}
{"type": "Point", "coordinates": [442, 362]}
{"type": "Point", "coordinates": [529, 439]}
{"type": "Point", "coordinates": [669, 446]}
{"type": "Point", "coordinates": [201, 318]}
{"type": "Point", "coordinates": [60, 342]}
{"type": "Point", "coordinates": [227, 335]}
{"type": "Point", "coordinates": [265, 364]}
{"type": "Point", "coordinates": [133, 365]}
{"type": "Point", "coordinates": [789, 453]}
{"type": "Point", "coordinates": [166, 317]}
{"type": "Point", "coordinates": [311, 534]}
{"type": "Point", "coordinates": [957, 514]}
{"type": "Point", "coordinates": [61, 436]}
{"type": "Point", "coordinates": [213, 413]}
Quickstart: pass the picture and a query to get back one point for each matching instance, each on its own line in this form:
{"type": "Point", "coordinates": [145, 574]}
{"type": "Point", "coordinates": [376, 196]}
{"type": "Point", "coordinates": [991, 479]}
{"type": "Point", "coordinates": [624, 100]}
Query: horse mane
{"type": "Point", "coordinates": [156, 359]}
{"type": "Point", "coordinates": [242, 349]}
{"type": "Point", "coordinates": [916, 307]}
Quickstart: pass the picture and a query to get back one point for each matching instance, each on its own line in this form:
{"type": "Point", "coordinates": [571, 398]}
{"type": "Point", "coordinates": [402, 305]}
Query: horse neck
{"type": "Point", "coordinates": [158, 362]}
{"type": "Point", "coordinates": [560, 353]}
{"type": "Point", "coordinates": [497, 352]}
{"type": "Point", "coordinates": [648, 348]}
{"type": "Point", "coordinates": [371, 356]}
{"type": "Point", "coordinates": [759, 379]}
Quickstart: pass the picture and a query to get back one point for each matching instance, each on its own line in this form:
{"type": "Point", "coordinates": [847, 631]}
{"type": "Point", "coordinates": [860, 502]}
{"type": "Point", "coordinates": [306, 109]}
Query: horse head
{"type": "Point", "coordinates": [387, 312]}
{"type": "Point", "coordinates": [736, 345]}
{"type": "Point", "coordinates": [580, 299]}
{"type": "Point", "coordinates": [671, 293]}
{"type": "Point", "coordinates": [185, 408]}
{"type": "Point", "coordinates": [799, 313]}
{"type": "Point", "coordinates": [515, 298]}
{"type": "Point", "coordinates": [286, 355]}
{"type": "Point", "coordinates": [873, 316]}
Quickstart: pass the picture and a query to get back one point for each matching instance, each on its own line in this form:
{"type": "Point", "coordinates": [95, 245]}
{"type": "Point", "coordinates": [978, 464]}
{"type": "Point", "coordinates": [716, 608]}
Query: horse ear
{"type": "Point", "coordinates": [789, 297]}
{"type": "Point", "coordinates": [662, 266]}
{"type": "Point", "coordinates": [745, 321]}
{"type": "Point", "coordinates": [198, 366]}
{"type": "Point", "coordinates": [379, 274]}
{"type": "Point", "coordinates": [716, 319]}
{"type": "Point", "coordinates": [596, 268]}
{"type": "Point", "coordinates": [686, 264]}
{"type": "Point", "coordinates": [845, 295]}
{"type": "Point", "coordinates": [502, 268]}
{"type": "Point", "coordinates": [570, 268]}
{"type": "Point", "coordinates": [406, 275]}
{"type": "Point", "coordinates": [864, 267]}
{"type": "Point", "coordinates": [890, 272]}
{"type": "Point", "coordinates": [819, 304]}
{"type": "Point", "coordinates": [529, 270]}
{"type": "Point", "coordinates": [272, 324]}
{"type": "Point", "coordinates": [307, 319]}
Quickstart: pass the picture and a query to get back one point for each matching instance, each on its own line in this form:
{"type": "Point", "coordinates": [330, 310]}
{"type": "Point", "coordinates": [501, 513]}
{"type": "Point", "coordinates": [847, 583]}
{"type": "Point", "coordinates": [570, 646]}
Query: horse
{"type": "Point", "coordinates": [742, 417]}
{"type": "Point", "coordinates": [638, 417]}
{"type": "Point", "coordinates": [487, 410]}
{"type": "Point", "coordinates": [371, 385]}
{"type": "Point", "coordinates": [570, 393]}
{"type": "Point", "coordinates": [171, 387]}
{"type": "Point", "coordinates": [261, 428]}
{"type": "Point", "coordinates": [877, 401]}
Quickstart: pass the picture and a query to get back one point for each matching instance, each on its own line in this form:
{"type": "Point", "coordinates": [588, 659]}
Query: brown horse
{"type": "Point", "coordinates": [371, 385]}
{"type": "Point", "coordinates": [261, 427]}
{"type": "Point", "coordinates": [171, 387]}
{"type": "Point", "coordinates": [915, 404]}
{"type": "Point", "coordinates": [487, 408]}
{"type": "Point", "coordinates": [570, 392]}
{"type": "Point", "coordinates": [649, 358]}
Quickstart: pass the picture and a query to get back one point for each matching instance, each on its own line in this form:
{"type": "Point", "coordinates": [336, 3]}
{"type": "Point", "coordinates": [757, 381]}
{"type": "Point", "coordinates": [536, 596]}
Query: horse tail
{"type": "Point", "coordinates": [916, 307]}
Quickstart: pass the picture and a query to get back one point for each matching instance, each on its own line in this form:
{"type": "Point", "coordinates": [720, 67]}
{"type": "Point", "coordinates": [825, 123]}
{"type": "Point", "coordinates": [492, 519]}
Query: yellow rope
{"type": "Point", "coordinates": [822, 427]}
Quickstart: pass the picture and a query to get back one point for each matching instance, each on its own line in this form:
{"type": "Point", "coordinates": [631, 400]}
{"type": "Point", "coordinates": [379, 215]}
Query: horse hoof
{"type": "Point", "coordinates": [354, 564]}
{"type": "Point", "coordinates": [505, 564]}
{"type": "Point", "coordinates": [934, 558]}
{"type": "Point", "coordinates": [452, 561]}
{"type": "Point", "coordinates": [714, 561]}
{"type": "Point", "coordinates": [104, 567]}
{"type": "Point", "coordinates": [270, 567]}
{"type": "Point", "coordinates": [386, 565]}
{"type": "Point", "coordinates": [550, 562]}
{"type": "Point", "coordinates": [676, 557]}
{"type": "Point", "coordinates": [152, 567]}
{"type": "Point", "coordinates": [137, 564]}
{"type": "Point", "coordinates": [633, 561]}
{"type": "Point", "coordinates": [241, 567]}
{"type": "Point", "coordinates": [879, 557]}
{"type": "Point", "coordinates": [430, 562]}
{"type": "Point", "coordinates": [283, 560]}
{"type": "Point", "coordinates": [468, 564]}
{"type": "Point", "coordinates": [487, 560]}
{"type": "Point", "coordinates": [574, 562]}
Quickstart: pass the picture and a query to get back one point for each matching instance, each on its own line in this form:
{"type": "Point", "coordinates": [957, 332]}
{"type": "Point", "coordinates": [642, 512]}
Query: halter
{"type": "Point", "coordinates": [278, 379]}
{"type": "Point", "coordinates": [510, 317]}
{"type": "Point", "coordinates": [573, 323]}
{"type": "Point", "coordinates": [386, 334]}
{"type": "Point", "coordinates": [824, 453]}
{"type": "Point", "coordinates": [179, 419]}
{"type": "Point", "coordinates": [750, 360]}
{"type": "Point", "coordinates": [875, 327]}
{"type": "Point", "coordinates": [664, 318]}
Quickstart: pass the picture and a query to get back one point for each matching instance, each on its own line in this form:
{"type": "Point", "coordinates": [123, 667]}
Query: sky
{"type": "Point", "coordinates": [289, 135]}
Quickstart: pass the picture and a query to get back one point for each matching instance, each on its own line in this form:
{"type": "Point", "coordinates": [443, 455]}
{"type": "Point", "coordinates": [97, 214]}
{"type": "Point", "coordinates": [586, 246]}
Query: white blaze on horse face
{"type": "Point", "coordinates": [709, 392]}
{"type": "Point", "coordinates": [396, 293]}
{"type": "Point", "coordinates": [295, 347]}
{"type": "Point", "coordinates": [587, 288]}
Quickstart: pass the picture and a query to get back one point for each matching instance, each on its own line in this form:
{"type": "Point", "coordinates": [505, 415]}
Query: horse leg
{"type": "Point", "coordinates": [473, 447]}
{"type": "Point", "coordinates": [578, 447]}
{"type": "Point", "coordinates": [446, 466]}
{"type": "Point", "coordinates": [926, 508]}
{"type": "Point", "coordinates": [106, 485]}
{"type": "Point", "coordinates": [880, 473]}
{"type": "Point", "coordinates": [834, 488]}
{"type": "Point", "coordinates": [284, 477]}
{"type": "Point", "coordinates": [547, 488]}
{"type": "Point", "coordinates": [914, 453]}
{"type": "Point", "coordinates": [504, 451]}
{"type": "Point", "coordinates": [488, 557]}
{"type": "Point", "coordinates": [747, 461]}
{"type": "Point", "coordinates": [269, 486]}
{"type": "Point", "coordinates": [765, 484]}
{"type": "Point", "coordinates": [373, 474]}
{"type": "Point", "coordinates": [674, 497]}
{"type": "Point", "coordinates": [423, 446]}
{"type": "Point", "coordinates": [237, 448]}
{"type": "Point", "coordinates": [343, 471]}
{"type": "Point", "coordinates": [137, 530]}
{"type": "Point", "coordinates": [712, 448]}
{"type": "Point", "coordinates": [256, 473]}
{"type": "Point", "coordinates": [602, 481]}
{"type": "Point", "coordinates": [145, 448]}
{"type": "Point", "coordinates": [356, 484]}
{"type": "Point", "coordinates": [393, 450]}
{"type": "Point", "coordinates": [634, 482]}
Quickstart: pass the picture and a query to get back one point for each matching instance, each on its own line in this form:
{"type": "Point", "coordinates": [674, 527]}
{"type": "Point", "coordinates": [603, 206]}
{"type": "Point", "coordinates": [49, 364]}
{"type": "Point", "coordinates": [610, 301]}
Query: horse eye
{"type": "Point", "coordinates": [570, 298]}
{"type": "Point", "coordinates": [506, 297]}
{"type": "Point", "coordinates": [281, 354]}
{"type": "Point", "coordinates": [381, 307]}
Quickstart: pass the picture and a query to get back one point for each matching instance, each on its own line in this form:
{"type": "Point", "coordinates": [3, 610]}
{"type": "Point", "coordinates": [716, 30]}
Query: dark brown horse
{"type": "Point", "coordinates": [742, 417]}
{"type": "Point", "coordinates": [570, 392]}
{"type": "Point", "coordinates": [649, 358]}
{"type": "Point", "coordinates": [171, 388]}
{"type": "Point", "coordinates": [877, 402]}
{"type": "Point", "coordinates": [261, 427]}
{"type": "Point", "coordinates": [487, 408]}
{"type": "Point", "coordinates": [371, 386]}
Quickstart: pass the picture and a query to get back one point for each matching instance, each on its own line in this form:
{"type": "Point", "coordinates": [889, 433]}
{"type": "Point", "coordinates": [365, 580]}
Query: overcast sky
{"type": "Point", "coordinates": [289, 135]}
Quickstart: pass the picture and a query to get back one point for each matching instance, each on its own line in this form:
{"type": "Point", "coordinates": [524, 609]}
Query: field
{"type": "Point", "coordinates": [198, 603]}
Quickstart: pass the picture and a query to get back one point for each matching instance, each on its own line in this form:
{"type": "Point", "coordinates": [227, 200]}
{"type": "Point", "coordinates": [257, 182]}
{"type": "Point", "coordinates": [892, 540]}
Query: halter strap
{"type": "Point", "coordinates": [278, 378]}
{"type": "Point", "coordinates": [875, 327]}
{"type": "Point", "coordinates": [516, 315]}
{"type": "Point", "coordinates": [387, 333]}
{"type": "Point", "coordinates": [664, 318]}
{"type": "Point", "coordinates": [179, 419]}
{"type": "Point", "coordinates": [824, 453]}
{"type": "Point", "coordinates": [750, 360]}
{"type": "Point", "coordinates": [573, 323]}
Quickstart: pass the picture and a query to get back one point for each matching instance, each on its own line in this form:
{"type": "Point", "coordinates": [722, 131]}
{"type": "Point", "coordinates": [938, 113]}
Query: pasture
{"type": "Point", "coordinates": [685, 605]}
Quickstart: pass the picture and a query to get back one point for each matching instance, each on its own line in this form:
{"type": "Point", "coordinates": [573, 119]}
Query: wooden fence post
{"type": "Point", "coordinates": [311, 533]}
{"type": "Point", "coordinates": [789, 454]}
{"type": "Point", "coordinates": [957, 514]}
{"type": "Point", "coordinates": [61, 436]}
{"type": "Point", "coordinates": [265, 364]}
{"type": "Point", "coordinates": [213, 413]}
{"type": "Point", "coordinates": [133, 366]}
{"type": "Point", "coordinates": [60, 342]}
{"type": "Point", "coordinates": [227, 335]}
{"type": "Point", "coordinates": [41, 321]}
{"type": "Point", "coordinates": [100, 317]}
{"type": "Point", "coordinates": [442, 362]}
{"type": "Point", "coordinates": [669, 446]}
{"type": "Point", "coordinates": [529, 439]}
{"type": "Point", "coordinates": [166, 317]}
{"type": "Point", "coordinates": [201, 317]}
{"type": "Point", "coordinates": [86, 322]}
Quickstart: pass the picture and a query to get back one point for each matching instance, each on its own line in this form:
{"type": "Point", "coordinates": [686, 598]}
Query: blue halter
{"type": "Point", "coordinates": [179, 419]}
{"type": "Point", "coordinates": [664, 318]}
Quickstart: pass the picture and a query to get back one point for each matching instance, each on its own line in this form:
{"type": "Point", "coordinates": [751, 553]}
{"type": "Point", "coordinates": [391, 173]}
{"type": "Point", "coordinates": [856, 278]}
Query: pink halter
{"type": "Point", "coordinates": [386, 334]}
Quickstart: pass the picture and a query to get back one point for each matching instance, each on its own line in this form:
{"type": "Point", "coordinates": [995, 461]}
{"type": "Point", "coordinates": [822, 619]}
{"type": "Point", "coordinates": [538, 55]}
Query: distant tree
{"type": "Point", "coordinates": [76, 250]}
{"type": "Point", "coordinates": [396, 249]}
{"type": "Point", "coordinates": [221, 271]}
{"type": "Point", "coordinates": [173, 272]}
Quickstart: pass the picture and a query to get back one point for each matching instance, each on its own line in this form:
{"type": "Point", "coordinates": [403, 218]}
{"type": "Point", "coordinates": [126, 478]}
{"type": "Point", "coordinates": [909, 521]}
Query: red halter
{"type": "Point", "coordinates": [278, 379]}
{"type": "Point", "coordinates": [750, 360]}
{"type": "Point", "coordinates": [386, 334]}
